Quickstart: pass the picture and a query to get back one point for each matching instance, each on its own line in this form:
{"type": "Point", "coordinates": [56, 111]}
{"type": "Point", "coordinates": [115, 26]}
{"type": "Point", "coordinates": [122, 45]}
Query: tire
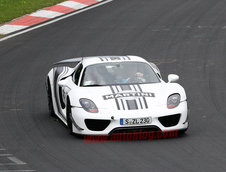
{"type": "Point", "coordinates": [182, 132]}
{"type": "Point", "coordinates": [50, 101]}
{"type": "Point", "coordinates": [69, 116]}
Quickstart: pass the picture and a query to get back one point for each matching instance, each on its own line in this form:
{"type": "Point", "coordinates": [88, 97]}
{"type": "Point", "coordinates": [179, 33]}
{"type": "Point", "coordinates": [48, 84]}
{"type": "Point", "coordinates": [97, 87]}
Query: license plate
{"type": "Point", "coordinates": [135, 121]}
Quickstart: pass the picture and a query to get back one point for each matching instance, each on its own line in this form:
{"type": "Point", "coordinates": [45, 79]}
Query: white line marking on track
{"type": "Point", "coordinates": [55, 20]}
{"type": "Point", "coordinates": [5, 154]}
{"type": "Point", "coordinates": [16, 170]}
{"type": "Point", "coordinates": [16, 160]}
{"type": "Point", "coordinates": [2, 149]}
{"type": "Point", "coordinates": [6, 164]}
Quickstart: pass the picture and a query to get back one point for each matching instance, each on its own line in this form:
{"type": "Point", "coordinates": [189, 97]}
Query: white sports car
{"type": "Point", "coordinates": [102, 95]}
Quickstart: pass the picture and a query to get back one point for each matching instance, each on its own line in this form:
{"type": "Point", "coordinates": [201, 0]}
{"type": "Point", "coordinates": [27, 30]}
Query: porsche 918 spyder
{"type": "Point", "coordinates": [101, 95]}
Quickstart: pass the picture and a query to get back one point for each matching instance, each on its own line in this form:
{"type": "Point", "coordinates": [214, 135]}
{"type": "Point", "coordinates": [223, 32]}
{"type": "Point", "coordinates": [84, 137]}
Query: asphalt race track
{"type": "Point", "coordinates": [183, 37]}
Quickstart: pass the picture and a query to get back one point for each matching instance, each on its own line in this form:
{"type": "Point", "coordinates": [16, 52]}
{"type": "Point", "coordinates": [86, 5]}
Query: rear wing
{"type": "Point", "coordinates": [68, 62]}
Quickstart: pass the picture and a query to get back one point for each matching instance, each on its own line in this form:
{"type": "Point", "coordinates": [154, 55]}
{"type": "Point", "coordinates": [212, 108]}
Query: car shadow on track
{"type": "Point", "coordinates": [125, 137]}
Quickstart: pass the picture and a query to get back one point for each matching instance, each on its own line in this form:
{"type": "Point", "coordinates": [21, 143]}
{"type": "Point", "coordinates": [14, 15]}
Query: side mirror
{"type": "Point", "coordinates": [173, 78]}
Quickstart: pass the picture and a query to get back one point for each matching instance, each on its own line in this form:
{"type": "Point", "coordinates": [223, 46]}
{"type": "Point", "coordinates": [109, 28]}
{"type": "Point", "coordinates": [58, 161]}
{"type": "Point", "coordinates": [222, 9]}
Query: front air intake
{"type": "Point", "coordinates": [169, 121]}
{"type": "Point", "coordinates": [96, 124]}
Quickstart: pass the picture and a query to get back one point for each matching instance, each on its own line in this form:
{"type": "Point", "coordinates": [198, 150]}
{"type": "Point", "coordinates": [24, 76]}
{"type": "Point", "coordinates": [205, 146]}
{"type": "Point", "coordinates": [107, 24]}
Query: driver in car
{"type": "Point", "coordinates": [135, 75]}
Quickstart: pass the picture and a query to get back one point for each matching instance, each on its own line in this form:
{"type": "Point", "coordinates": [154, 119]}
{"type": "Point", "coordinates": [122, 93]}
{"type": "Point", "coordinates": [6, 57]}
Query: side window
{"type": "Point", "coordinates": [77, 74]}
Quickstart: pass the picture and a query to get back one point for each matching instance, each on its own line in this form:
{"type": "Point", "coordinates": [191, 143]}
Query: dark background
{"type": "Point", "coordinates": [186, 37]}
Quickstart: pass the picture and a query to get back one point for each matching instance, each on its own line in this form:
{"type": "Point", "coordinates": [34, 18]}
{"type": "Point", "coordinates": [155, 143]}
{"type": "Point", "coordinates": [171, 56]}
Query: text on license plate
{"type": "Point", "coordinates": [135, 121]}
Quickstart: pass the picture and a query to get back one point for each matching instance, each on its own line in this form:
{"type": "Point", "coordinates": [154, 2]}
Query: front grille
{"type": "Point", "coordinates": [169, 121]}
{"type": "Point", "coordinates": [136, 129]}
{"type": "Point", "coordinates": [96, 124]}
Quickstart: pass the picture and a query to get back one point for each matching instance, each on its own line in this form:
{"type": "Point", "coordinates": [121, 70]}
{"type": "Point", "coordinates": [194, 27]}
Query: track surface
{"type": "Point", "coordinates": [181, 36]}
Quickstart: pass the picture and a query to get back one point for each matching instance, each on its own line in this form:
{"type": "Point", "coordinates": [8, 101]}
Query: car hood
{"type": "Point", "coordinates": [127, 97]}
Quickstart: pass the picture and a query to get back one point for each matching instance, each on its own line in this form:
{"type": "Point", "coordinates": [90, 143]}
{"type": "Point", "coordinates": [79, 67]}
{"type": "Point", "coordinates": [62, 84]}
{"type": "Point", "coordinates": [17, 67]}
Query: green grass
{"type": "Point", "coordinates": [10, 9]}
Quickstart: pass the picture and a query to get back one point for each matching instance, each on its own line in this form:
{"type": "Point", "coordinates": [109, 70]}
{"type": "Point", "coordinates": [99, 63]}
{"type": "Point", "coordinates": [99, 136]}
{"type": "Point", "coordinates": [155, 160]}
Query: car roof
{"type": "Point", "coordinates": [104, 59]}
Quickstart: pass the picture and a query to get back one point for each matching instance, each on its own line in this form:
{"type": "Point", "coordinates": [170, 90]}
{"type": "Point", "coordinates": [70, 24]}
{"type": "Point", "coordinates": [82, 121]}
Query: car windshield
{"type": "Point", "coordinates": [118, 73]}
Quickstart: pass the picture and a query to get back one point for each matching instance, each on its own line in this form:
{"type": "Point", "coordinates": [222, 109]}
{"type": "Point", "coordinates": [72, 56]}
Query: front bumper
{"type": "Point", "coordinates": [105, 122]}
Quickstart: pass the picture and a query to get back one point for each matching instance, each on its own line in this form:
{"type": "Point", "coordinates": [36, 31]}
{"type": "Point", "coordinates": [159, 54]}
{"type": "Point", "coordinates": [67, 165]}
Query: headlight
{"type": "Point", "coordinates": [88, 105]}
{"type": "Point", "coordinates": [173, 101]}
